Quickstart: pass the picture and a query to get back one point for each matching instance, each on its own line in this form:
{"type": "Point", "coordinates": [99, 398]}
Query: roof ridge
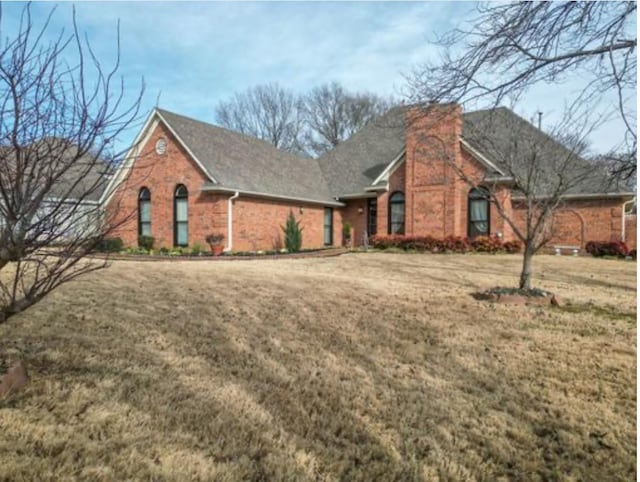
{"type": "Point", "coordinates": [232, 132]}
{"type": "Point", "coordinates": [248, 162]}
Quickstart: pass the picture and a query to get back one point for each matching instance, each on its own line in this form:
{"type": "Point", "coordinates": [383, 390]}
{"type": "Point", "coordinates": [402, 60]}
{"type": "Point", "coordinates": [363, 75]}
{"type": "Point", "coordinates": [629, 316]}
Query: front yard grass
{"type": "Point", "coordinates": [374, 366]}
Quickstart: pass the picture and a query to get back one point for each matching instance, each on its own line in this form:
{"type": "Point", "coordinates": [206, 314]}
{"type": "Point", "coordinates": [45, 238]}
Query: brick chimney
{"type": "Point", "coordinates": [433, 194]}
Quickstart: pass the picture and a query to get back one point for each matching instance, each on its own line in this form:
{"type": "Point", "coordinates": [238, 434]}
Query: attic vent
{"type": "Point", "coordinates": [161, 146]}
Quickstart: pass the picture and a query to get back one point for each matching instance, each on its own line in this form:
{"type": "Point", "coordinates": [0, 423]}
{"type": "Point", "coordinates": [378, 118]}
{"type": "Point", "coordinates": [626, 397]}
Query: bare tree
{"type": "Point", "coordinates": [333, 115]}
{"type": "Point", "coordinates": [532, 173]}
{"type": "Point", "coordinates": [511, 46]}
{"type": "Point", "coordinates": [269, 112]}
{"type": "Point", "coordinates": [60, 114]}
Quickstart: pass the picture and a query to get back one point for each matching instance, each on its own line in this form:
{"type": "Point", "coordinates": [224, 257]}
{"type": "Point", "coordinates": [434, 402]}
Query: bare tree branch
{"type": "Point", "coordinates": [58, 126]}
{"type": "Point", "coordinates": [268, 112]}
{"type": "Point", "coordinates": [333, 115]}
{"type": "Point", "coordinates": [510, 47]}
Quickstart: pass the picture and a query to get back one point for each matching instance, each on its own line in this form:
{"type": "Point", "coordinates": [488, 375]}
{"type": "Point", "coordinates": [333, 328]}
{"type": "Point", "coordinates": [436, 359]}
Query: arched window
{"type": "Point", "coordinates": [478, 212]}
{"type": "Point", "coordinates": [181, 216]}
{"type": "Point", "coordinates": [144, 212]}
{"type": "Point", "coordinates": [396, 213]}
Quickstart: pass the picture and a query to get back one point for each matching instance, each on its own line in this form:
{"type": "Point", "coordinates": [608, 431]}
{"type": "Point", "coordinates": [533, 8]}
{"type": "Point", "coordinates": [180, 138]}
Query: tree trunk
{"type": "Point", "coordinates": [525, 274]}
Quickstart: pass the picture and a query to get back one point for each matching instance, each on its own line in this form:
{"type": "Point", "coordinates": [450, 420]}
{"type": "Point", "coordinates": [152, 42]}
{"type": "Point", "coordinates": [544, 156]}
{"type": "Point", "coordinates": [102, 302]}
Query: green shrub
{"type": "Point", "coordinates": [110, 245]}
{"type": "Point", "coordinates": [146, 242]}
{"type": "Point", "coordinates": [196, 250]}
{"type": "Point", "coordinates": [292, 234]}
{"type": "Point", "coordinates": [346, 230]}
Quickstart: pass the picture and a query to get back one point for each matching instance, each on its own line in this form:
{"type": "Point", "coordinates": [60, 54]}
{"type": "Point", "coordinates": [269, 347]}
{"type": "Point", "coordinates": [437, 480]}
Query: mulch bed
{"type": "Point", "coordinates": [512, 296]}
{"type": "Point", "coordinates": [321, 253]}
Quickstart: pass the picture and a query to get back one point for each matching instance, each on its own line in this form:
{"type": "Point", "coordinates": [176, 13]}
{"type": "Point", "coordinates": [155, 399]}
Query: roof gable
{"type": "Point", "coordinates": [240, 162]}
{"type": "Point", "coordinates": [510, 142]}
{"type": "Point", "coordinates": [356, 163]}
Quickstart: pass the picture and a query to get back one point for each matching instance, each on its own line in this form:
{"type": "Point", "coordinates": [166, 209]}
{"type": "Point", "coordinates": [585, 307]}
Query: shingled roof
{"type": "Point", "coordinates": [247, 164]}
{"type": "Point", "coordinates": [355, 164]}
{"type": "Point", "coordinates": [69, 177]}
{"type": "Point", "coordinates": [237, 162]}
{"type": "Point", "coordinates": [512, 143]}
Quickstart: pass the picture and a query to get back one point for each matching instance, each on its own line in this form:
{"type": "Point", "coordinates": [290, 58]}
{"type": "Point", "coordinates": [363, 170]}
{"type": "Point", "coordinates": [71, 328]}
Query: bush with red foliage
{"type": "Point", "coordinates": [512, 247]}
{"type": "Point", "coordinates": [486, 244]}
{"type": "Point", "coordinates": [607, 248]}
{"type": "Point", "coordinates": [450, 244]}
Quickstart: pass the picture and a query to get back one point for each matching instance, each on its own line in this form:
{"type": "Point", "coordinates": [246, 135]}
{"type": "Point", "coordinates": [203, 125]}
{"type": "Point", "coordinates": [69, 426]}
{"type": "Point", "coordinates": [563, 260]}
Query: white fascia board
{"type": "Point", "coordinates": [361, 195]}
{"type": "Point", "coordinates": [69, 200]}
{"type": "Point", "coordinates": [139, 142]}
{"type": "Point", "coordinates": [480, 157]}
{"type": "Point", "coordinates": [584, 196]}
{"type": "Point", "coordinates": [384, 187]}
{"type": "Point", "coordinates": [222, 189]}
{"type": "Point", "coordinates": [390, 168]}
{"type": "Point", "coordinates": [186, 148]}
{"type": "Point", "coordinates": [500, 179]}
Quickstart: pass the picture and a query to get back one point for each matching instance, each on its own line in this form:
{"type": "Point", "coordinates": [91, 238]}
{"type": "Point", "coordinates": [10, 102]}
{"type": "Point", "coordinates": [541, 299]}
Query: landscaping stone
{"type": "Point", "coordinates": [513, 296]}
{"type": "Point", "coordinates": [555, 301]}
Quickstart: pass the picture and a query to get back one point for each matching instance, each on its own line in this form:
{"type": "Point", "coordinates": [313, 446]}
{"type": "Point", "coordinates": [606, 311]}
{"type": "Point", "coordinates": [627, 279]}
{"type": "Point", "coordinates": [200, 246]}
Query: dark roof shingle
{"type": "Point", "coordinates": [356, 163]}
{"type": "Point", "coordinates": [245, 163]}
{"type": "Point", "coordinates": [513, 143]}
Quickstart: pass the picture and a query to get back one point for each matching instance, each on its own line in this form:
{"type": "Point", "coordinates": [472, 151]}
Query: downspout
{"type": "Point", "coordinates": [230, 221]}
{"type": "Point", "coordinates": [623, 238]}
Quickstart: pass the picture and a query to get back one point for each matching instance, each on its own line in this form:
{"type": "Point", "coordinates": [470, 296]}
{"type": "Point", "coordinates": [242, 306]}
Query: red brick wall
{"type": "Point", "coordinates": [436, 193]}
{"type": "Point", "coordinates": [580, 221]}
{"type": "Point", "coordinates": [161, 174]}
{"type": "Point", "coordinates": [356, 214]}
{"type": "Point", "coordinates": [256, 222]}
{"type": "Point", "coordinates": [631, 231]}
{"type": "Point", "coordinates": [432, 142]}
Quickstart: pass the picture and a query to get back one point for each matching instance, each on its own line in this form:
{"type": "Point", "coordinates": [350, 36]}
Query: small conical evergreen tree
{"type": "Point", "coordinates": [292, 234]}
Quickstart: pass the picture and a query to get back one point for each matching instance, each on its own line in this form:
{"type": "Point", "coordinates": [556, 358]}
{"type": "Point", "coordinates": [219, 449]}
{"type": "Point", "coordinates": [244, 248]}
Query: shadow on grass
{"type": "Point", "coordinates": [272, 384]}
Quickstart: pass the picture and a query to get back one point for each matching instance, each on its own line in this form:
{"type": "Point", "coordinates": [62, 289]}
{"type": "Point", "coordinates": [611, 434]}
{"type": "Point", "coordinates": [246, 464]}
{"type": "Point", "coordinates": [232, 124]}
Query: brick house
{"type": "Point", "coordinates": [186, 179]}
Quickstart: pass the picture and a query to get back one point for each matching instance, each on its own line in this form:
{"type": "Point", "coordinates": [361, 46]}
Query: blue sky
{"type": "Point", "coordinates": [194, 54]}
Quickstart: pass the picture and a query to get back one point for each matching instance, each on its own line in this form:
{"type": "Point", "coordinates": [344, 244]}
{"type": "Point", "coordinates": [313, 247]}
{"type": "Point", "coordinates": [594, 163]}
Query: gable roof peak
{"type": "Point", "coordinates": [246, 163]}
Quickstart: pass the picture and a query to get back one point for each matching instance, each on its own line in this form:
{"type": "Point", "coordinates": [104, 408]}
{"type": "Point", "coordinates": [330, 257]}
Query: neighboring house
{"type": "Point", "coordinates": [56, 192]}
{"type": "Point", "coordinates": [187, 179]}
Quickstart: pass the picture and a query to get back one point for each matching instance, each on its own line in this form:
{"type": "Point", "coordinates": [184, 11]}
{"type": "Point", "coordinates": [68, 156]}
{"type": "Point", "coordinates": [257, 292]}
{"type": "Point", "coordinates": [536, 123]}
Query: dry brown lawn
{"type": "Point", "coordinates": [363, 367]}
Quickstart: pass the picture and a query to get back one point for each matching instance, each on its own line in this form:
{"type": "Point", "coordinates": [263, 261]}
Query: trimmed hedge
{"type": "Point", "coordinates": [450, 244]}
{"type": "Point", "coordinates": [146, 242]}
{"type": "Point", "coordinates": [110, 245]}
{"type": "Point", "coordinates": [608, 248]}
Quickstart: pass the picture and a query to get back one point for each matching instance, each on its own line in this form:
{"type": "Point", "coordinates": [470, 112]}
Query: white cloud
{"type": "Point", "coordinates": [197, 53]}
